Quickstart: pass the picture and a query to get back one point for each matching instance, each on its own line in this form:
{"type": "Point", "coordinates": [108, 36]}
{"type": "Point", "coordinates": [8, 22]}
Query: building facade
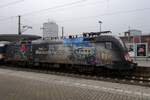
{"type": "Point", "coordinates": [134, 38]}
{"type": "Point", "coordinates": [50, 29]}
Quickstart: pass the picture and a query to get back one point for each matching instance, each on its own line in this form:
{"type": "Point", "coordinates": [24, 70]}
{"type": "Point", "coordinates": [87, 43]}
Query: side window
{"type": "Point", "coordinates": [108, 45]}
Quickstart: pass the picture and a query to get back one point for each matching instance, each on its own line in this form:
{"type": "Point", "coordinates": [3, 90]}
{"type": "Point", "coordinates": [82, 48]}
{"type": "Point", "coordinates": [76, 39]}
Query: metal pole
{"type": "Point", "coordinates": [100, 27]}
{"type": "Point", "coordinates": [129, 37]}
{"type": "Point", "coordinates": [100, 22]}
{"type": "Point", "coordinates": [19, 25]}
{"type": "Point", "coordinates": [62, 32]}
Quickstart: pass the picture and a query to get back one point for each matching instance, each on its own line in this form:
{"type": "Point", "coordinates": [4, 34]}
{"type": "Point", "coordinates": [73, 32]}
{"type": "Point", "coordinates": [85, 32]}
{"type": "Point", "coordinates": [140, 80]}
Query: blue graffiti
{"type": "Point", "coordinates": [76, 41]}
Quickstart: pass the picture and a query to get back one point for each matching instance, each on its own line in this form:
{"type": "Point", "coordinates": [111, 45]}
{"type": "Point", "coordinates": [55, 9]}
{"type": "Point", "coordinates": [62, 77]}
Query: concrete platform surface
{"type": "Point", "coordinates": [20, 85]}
{"type": "Point", "coordinates": [145, 63]}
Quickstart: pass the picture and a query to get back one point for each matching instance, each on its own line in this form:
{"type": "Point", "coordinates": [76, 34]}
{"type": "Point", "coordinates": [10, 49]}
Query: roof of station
{"type": "Point", "coordinates": [16, 37]}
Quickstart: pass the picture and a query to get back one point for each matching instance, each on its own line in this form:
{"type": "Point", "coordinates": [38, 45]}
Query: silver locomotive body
{"type": "Point", "coordinates": [101, 51]}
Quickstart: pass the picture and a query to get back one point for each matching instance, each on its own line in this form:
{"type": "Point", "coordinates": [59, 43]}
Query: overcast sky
{"type": "Point", "coordinates": [76, 16]}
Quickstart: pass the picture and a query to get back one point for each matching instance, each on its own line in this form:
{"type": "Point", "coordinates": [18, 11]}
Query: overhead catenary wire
{"type": "Point", "coordinates": [104, 14]}
{"type": "Point", "coordinates": [68, 7]}
{"type": "Point", "coordinates": [86, 17]}
{"type": "Point", "coordinates": [11, 3]}
{"type": "Point", "coordinates": [55, 7]}
{"type": "Point", "coordinates": [7, 18]}
{"type": "Point", "coordinates": [35, 12]}
{"type": "Point", "coordinates": [77, 2]}
{"type": "Point", "coordinates": [108, 14]}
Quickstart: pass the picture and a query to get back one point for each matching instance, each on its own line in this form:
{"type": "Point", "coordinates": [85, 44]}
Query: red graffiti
{"type": "Point", "coordinates": [23, 48]}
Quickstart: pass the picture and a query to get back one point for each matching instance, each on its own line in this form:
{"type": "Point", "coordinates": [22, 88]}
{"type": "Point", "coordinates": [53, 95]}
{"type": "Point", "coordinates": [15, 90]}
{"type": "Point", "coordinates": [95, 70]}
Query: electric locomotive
{"type": "Point", "coordinates": [91, 49]}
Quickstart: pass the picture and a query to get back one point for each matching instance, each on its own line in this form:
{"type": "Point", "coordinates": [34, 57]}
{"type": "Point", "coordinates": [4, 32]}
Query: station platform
{"type": "Point", "coordinates": [143, 62]}
{"type": "Point", "coordinates": [20, 85]}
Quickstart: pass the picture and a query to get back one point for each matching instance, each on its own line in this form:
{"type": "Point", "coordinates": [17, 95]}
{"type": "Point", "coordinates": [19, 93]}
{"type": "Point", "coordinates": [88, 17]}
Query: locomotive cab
{"type": "Point", "coordinates": [125, 61]}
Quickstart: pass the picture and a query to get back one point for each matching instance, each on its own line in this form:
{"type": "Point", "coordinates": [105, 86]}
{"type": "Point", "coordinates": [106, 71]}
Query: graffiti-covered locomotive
{"type": "Point", "coordinates": [90, 49]}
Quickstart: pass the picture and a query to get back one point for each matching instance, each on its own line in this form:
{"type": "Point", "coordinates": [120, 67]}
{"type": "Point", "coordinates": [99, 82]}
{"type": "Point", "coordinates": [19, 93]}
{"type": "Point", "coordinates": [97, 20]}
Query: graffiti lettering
{"type": "Point", "coordinates": [42, 51]}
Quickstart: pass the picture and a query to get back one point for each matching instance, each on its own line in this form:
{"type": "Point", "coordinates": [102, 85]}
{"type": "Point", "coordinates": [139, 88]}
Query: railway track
{"type": "Point", "coordinates": [140, 76]}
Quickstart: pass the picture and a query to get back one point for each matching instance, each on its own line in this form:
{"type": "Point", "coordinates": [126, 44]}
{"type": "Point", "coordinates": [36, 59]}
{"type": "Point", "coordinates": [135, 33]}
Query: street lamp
{"type": "Point", "coordinates": [100, 22]}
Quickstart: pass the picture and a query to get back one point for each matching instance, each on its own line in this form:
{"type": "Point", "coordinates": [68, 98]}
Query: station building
{"type": "Point", "coordinates": [134, 39]}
